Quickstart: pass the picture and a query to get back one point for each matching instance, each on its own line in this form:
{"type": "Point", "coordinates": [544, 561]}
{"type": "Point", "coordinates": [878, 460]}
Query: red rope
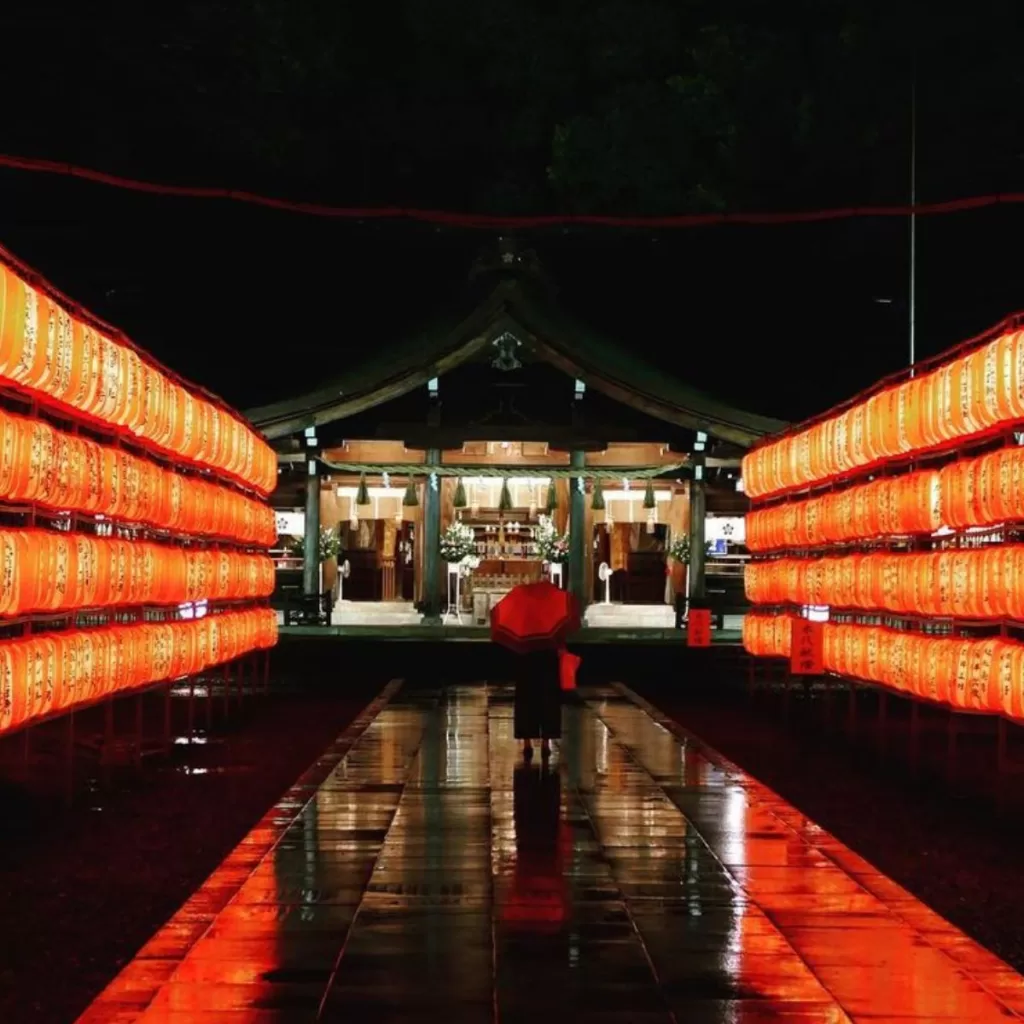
{"type": "Point", "coordinates": [494, 222]}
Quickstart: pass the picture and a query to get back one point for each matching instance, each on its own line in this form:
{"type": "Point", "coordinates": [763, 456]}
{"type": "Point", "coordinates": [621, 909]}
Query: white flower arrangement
{"type": "Point", "coordinates": [458, 543]}
{"type": "Point", "coordinates": [679, 550]}
{"type": "Point", "coordinates": [553, 546]}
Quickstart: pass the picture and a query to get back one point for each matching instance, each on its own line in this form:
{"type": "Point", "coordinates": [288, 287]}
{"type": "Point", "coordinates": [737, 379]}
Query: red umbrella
{"type": "Point", "coordinates": [534, 617]}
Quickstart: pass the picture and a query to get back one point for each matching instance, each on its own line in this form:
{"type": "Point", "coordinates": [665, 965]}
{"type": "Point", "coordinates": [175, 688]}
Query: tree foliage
{"type": "Point", "coordinates": [613, 105]}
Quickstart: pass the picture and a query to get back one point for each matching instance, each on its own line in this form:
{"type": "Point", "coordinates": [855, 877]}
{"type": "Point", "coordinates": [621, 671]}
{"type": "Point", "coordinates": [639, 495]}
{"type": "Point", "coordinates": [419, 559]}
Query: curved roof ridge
{"type": "Point", "coordinates": [603, 364]}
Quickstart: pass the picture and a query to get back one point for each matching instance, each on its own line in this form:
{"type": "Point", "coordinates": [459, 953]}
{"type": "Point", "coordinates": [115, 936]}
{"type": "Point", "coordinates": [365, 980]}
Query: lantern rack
{"type": "Point", "coordinates": [232, 675]}
{"type": "Point", "coordinates": [965, 539]}
{"type": "Point", "coordinates": [36, 280]}
{"type": "Point", "coordinates": [940, 626]}
{"type": "Point", "coordinates": [781, 663]}
{"type": "Point", "coordinates": [37, 406]}
{"type": "Point", "coordinates": [933, 458]}
{"type": "Point", "coordinates": [71, 522]}
{"type": "Point", "coordinates": [1009, 323]}
{"type": "Point", "coordinates": [117, 615]}
{"type": "Point", "coordinates": [957, 717]}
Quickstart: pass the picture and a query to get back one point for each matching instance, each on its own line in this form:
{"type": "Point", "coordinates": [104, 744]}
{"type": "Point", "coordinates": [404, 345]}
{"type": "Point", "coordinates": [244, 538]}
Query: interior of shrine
{"type": "Point", "coordinates": [523, 446]}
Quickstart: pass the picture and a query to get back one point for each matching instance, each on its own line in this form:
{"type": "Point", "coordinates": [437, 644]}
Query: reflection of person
{"type": "Point", "coordinates": [538, 702]}
{"type": "Point", "coordinates": [538, 900]}
{"type": "Point", "coordinates": [536, 805]}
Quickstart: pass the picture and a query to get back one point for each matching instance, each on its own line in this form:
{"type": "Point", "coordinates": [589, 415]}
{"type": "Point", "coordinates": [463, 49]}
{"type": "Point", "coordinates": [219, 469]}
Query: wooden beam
{"type": "Point", "coordinates": [416, 435]}
{"type": "Point", "coordinates": [374, 451]}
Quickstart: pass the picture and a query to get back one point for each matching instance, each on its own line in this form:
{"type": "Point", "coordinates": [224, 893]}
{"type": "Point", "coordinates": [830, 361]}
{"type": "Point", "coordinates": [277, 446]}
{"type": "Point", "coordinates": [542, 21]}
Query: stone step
{"type": "Point", "coordinates": [661, 615]}
{"type": "Point", "coordinates": [374, 613]}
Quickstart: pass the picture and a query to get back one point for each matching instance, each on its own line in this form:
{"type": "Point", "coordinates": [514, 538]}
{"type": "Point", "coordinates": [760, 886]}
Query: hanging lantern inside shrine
{"type": "Point", "coordinates": [552, 502]}
{"type": "Point", "coordinates": [505, 499]}
{"type": "Point", "coordinates": [363, 496]}
{"type": "Point", "coordinates": [649, 499]}
{"type": "Point", "coordinates": [597, 502]}
{"type": "Point", "coordinates": [410, 500]}
{"type": "Point", "coordinates": [460, 495]}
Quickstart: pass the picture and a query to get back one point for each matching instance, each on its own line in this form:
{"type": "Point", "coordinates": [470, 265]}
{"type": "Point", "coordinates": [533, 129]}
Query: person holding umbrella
{"type": "Point", "coordinates": [538, 705]}
{"type": "Point", "coordinates": [534, 620]}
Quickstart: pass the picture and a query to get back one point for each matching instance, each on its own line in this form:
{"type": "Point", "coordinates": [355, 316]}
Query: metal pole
{"type": "Point", "coordinates": [913, 218]}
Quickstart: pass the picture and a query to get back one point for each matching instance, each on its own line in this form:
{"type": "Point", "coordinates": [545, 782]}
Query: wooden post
{"type": "Point", "coordinates": [915, 738]}
{"type": "Point", "coordinates": [311, 539]}
{"type": "Point", "coordinates": [883, 709]}
{"type": "Point", "coordinates": [167, 719]}
{"type": "Point", "coordinates": [191, 714]}
{"type": "Point", "coordinates": [432, 543]}
{"type": "Point", "coordinates": [140, 729]}
{"type": "Point", "coordinates": [698, 514]}
{"type": "Point", "coordinates": [851, 716]}
{"type": "Point", "coordinates": [952, 730]}
{"type": "Point", "coordinates": [109, 738]}
{"type": "Point", "coordinates": [69, 764]}
{"type": "Point", "coordinates": [577, 529]}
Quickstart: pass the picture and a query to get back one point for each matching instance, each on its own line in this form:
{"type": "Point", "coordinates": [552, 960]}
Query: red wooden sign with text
{"type": "Point", "coordinates": [807, 655]}
{"type": "Point", "coordinates": [698, 628]}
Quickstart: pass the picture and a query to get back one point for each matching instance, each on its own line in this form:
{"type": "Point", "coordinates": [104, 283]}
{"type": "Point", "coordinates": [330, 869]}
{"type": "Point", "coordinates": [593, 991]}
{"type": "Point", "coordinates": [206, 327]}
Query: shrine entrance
{"type": "Point", "coordinates": [510, 446]}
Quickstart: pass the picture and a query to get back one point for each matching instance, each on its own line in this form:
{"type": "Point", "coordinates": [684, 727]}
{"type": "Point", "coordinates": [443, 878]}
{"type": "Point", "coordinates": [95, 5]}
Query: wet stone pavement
{"type": "Point", "coordinates": [421, 871]}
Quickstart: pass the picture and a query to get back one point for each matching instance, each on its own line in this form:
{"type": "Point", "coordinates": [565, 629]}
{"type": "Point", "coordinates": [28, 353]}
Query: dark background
{"type": "Point", "coordinates": [629, 107]}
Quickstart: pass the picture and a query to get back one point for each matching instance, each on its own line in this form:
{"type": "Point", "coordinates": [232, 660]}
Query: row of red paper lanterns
{"type": "Point", "coordinates": [983, 491]}
{"type": "Point", "coordinates": [55, 571]}
{"type": "Point", "coordinates": [969, 396]}
{"type": "Point", "coordinates": [65, 472]}
{"type": "Point", "coordinates": [973, 583]}
{"type": "Point", "coordinates": [54, 672]}
{"type": "Point", "coordinates": [45, 349]}
{"type": "Point", "coordinates": [963, 673]}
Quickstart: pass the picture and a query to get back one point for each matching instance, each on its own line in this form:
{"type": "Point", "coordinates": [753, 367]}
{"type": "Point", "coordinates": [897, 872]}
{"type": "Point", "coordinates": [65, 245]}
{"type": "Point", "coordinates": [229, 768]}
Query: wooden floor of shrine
{"type": "Point", "coordinates": [421, 870]}
{"type": "Point", "coordinates": [482, 634]}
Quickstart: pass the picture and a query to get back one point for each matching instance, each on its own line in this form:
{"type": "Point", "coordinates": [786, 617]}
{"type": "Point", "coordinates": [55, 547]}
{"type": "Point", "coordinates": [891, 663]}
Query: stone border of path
{"type": "Point", "coordinates": [992, 974]}
{"type": "Point", "coordinates": [126, 998]}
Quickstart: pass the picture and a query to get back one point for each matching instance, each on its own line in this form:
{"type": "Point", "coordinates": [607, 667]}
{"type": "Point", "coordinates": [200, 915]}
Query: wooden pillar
{"type": "Point", "coordinates": [577, 530]}
{"type": "Point", "coordinates": [311, 540]}
{"type": "Point", "coordinates": [696, 588]}
{"type": "Point", "coordinates": [432, 542]}
{"type": "Point", "coordinates": [588, 552]}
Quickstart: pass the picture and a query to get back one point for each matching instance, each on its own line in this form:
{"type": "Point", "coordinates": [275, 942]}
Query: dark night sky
{"type": "Point", "coordinates": [259, 305]}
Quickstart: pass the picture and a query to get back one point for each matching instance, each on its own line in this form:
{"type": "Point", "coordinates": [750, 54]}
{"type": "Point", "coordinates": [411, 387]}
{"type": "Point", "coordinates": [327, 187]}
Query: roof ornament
{"type": "Point", "coordinates": [506, 257]}
{"type": "Point", "coordinates": [506, 359]}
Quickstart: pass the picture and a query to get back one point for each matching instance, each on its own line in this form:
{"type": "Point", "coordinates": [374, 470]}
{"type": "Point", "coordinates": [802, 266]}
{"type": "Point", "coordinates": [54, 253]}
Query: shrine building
{"type": "Point", "coordinates": [539, 446]}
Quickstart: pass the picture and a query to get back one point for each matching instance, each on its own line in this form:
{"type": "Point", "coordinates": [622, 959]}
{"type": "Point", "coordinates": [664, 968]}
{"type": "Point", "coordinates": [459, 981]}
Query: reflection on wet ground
{"type": "Point", "coordinates": [424, 872]}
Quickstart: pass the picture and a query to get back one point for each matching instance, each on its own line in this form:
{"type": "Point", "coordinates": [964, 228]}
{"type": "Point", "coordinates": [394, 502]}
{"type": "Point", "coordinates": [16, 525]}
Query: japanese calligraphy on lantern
{"type": "Point", "coordinates": [698, 628]}
{"type": "Point", "coordinates": [807, 650]}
